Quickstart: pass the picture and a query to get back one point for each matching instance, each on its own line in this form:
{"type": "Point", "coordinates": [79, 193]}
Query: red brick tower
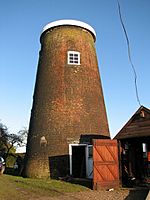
{"type": "Point", "coordinates": [68, 103]}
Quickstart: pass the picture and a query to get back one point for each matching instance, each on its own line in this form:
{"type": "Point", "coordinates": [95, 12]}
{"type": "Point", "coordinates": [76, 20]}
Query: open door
{"type": "Point", "coordinates": [105, 164]}
{"type": "Point", "coordinates": [81, 160]}
{"type": "Point", "coordinates": [78, 162]}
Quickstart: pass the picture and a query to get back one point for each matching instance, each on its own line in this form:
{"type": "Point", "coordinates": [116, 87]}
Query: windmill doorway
{"type": "Point", "coordinates": [81, 161]}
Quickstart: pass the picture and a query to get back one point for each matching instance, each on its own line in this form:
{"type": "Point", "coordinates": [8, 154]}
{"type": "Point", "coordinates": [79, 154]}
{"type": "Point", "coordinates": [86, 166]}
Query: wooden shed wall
{"type": "Point", "coordinates": [137, 126]}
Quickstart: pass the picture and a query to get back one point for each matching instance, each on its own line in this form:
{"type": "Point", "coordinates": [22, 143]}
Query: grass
{"type": "Point", "coordinates": [18, 188]}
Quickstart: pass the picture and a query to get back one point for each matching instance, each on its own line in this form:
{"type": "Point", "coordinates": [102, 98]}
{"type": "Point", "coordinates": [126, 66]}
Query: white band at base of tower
{"type": "Point", "coordinates": [70, 23]}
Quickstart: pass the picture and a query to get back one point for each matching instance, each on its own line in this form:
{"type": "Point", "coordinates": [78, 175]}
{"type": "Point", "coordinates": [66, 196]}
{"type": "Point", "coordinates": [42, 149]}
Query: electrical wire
{"type": "Point", "coordinates": [129, 54]}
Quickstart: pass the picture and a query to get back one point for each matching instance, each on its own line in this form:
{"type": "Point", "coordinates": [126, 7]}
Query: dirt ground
{"type": "Point", "coordinates": [19, 188]}
{"type": "Point", "coordinates": [122, 194]}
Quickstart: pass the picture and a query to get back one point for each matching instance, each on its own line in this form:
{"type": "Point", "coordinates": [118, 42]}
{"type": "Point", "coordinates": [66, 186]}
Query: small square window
{"type": "Point", "coordinates": [73, 58]}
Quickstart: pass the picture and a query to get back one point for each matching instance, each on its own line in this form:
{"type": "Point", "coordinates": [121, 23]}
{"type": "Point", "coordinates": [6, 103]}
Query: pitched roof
{"type": "Point", "coordinates": [137, 126]}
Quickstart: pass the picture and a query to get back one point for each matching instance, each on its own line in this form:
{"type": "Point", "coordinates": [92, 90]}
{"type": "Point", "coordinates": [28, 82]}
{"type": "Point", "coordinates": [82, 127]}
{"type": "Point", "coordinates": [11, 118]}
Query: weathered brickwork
{"type": "Point", "coordinates": [68, 100]}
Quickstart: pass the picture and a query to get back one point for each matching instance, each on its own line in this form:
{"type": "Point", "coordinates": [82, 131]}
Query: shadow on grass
{"type": "Point", "coordinates": [81, 181]}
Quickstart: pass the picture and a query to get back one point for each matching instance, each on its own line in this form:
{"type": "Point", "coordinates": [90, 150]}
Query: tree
{"type": "Point", "coordinates": [23, 133]}
{"type": "Point", "coordinates": [10, 141]}
{"type": "Point", "coordinates": [3, 138]}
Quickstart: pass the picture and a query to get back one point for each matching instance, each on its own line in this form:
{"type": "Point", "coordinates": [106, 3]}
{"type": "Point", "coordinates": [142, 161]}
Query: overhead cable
{"type": "Point", "coordinates": [129, 54]}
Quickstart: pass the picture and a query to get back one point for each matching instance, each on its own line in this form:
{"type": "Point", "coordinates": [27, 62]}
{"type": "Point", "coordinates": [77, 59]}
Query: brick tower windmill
{"type": "Point", "coordinates": [68, 104]}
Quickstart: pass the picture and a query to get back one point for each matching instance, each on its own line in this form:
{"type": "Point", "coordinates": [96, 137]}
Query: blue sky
{"type": "Point", "coordinates": [21, 23]}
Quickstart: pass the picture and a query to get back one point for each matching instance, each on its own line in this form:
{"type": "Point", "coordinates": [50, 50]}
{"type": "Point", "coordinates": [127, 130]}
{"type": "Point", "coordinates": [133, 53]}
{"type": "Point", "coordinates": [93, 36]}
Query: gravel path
{"type": "Point", "coordinates": [122, 194]}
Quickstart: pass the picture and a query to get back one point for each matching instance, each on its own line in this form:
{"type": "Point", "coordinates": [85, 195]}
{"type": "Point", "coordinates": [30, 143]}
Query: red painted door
{"type": "Point", "coordinates": [105, 164]}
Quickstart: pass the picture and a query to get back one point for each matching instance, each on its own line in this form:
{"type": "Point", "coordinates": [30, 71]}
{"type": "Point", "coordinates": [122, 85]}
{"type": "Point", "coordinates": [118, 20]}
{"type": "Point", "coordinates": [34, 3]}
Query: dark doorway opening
{"type": "Point", "coordinates": [78, 162]}
{"type": "Point", "coordinates": [135, 161]}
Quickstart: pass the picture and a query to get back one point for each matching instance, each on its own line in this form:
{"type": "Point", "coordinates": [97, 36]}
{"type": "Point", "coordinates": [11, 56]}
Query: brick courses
{"type": "Point", "coordinates": [68, 101]}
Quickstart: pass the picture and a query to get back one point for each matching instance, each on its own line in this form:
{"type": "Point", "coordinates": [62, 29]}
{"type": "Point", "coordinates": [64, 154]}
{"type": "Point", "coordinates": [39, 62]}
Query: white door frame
{"type": "Point", "coordinates": [90, 163]}
{"type": "Point", "coordinates": [86, 156]}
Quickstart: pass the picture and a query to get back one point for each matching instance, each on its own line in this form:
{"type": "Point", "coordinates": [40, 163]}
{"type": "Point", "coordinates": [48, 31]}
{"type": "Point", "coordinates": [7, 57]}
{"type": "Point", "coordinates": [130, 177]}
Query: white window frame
{"type": "Point", "coordinates": [75, 58]}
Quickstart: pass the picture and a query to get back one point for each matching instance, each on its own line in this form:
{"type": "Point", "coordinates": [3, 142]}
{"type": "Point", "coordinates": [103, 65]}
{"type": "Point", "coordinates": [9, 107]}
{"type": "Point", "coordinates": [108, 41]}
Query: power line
{"type": "Point", "coordinates": [129, 54]}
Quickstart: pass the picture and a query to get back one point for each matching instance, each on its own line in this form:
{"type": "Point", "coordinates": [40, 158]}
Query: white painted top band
{"type": "Point", "coordinates": [69, 22]}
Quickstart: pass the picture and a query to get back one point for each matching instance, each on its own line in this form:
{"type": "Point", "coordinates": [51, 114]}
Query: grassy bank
{"type": "Point", "coordinates": [18, 188]}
